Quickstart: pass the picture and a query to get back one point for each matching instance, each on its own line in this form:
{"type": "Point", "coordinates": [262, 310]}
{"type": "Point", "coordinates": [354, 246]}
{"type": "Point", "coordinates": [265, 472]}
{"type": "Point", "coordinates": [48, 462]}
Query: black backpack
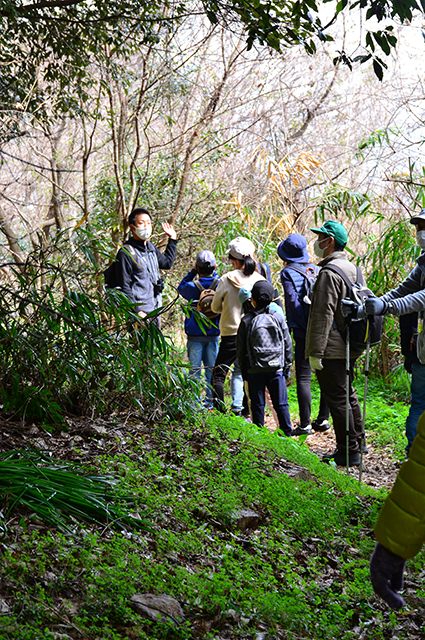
{"type": "Point", "coordinates": [306, 293]}
{"type": "Point", "coordinates": [111, 273]}
{"type": "Point", "coordinates": [265, 341]}
{"type": "Point", "coordinates": [367, 329]}
{"type": "Point", "coordinates": [206, 298]}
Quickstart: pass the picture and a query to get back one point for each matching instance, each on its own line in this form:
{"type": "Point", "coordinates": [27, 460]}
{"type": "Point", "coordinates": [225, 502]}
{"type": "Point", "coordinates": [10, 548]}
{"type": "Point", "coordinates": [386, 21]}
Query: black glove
{"type": "Point", "coordinates": [375, 306]}
{"type": "Point", "coordinates": [351, 309]}
{"type": "Point", "coordinates": [407, 365]}
{"type": "Point", "coordinates": [286, 372]}
{"type": "Point", "coordinates": [386, 573]}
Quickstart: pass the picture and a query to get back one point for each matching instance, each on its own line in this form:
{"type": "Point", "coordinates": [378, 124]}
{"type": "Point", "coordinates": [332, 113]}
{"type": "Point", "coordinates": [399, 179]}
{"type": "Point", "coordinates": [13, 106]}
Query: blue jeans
{"type": "Point", "coordinates": [236, 388]}
{"type": "Point", "coordinates": [206, 353]}
{"type": "Point", "coordinates": [417, 404]}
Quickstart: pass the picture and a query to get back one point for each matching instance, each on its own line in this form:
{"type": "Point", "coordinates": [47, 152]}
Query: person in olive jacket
{"type": "Point", "coordinates": [400, 528]}
{"type": "Point", "coordinates": [326, 348]}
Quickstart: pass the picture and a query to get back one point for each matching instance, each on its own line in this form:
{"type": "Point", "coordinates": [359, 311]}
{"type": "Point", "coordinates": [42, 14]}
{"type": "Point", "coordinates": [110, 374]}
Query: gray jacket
{"type": "Point", "coordinates": [140, 263]}
{"type": "Point", "coordinates": [410, 297]}
{"type": "Point", "coordinates": [410, 294]}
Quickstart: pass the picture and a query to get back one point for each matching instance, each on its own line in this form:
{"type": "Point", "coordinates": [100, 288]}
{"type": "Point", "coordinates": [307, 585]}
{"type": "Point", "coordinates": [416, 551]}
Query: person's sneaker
{"type": "Point", "coordinates": [340, 459]}
{"type": "Point", "coordinates": [301, 431]}
{"type": "Point", "coordinates": [322, 426]}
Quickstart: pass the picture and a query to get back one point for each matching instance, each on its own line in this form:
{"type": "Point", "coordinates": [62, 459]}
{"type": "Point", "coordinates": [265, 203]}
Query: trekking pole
{"type": "Point", "coordinates": [347, 398]}
{"type": "Point", "coordinates": [366, 375]}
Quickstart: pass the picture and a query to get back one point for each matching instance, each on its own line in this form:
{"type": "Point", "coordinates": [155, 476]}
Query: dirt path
{"type": "Point", "coordinates": [84, 440]}
{"type": "Point", "coordinates": [379, 470]}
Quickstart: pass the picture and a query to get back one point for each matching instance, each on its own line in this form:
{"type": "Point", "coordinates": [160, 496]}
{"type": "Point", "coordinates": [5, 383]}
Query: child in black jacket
{"type": "Point", "coordinates": [264, 351]}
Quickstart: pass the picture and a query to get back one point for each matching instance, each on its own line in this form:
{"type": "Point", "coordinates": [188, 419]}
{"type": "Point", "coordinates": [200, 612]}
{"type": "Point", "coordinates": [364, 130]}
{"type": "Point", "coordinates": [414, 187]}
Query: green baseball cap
{"type": "Point", "coordinates": [334, 229]}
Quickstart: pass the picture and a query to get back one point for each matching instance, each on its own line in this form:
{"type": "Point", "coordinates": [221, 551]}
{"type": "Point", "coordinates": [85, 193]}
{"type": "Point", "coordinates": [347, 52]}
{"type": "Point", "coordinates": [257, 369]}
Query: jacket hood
{"type": "Point", "coordinates": [239, 280]}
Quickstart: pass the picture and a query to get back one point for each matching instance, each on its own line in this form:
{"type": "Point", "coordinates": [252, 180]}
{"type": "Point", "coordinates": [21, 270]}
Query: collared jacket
{"type": "Point", "coordinates": [140, 262]}
{"type": "Point", "coordinates": [226, 300]}
{"type": "Point", "coordinates": [323, 339]}
{"type": "Point", "coordinates": [400, 527]}
{"type": "Point", "coordinates": [188, 290]}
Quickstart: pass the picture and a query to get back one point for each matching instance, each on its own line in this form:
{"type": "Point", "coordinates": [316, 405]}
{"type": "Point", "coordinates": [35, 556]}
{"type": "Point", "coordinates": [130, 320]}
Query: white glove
{"type": "Point", "coordinates": [315, 363]}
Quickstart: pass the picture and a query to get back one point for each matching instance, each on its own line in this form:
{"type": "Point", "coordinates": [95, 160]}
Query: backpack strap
{"type": "Point", "coordinates": [340, 272]}
{"type": "Point", "coordinates": [130, 250]}
{"type": "Point", "coordinates": [199, 286]}
{"type": "Point", "coordinates": [214, 283]}
{"type": "Point", "coordinates": [298, 270]}
{"type": "Point", "coordinates": [212, 286]}
{"type": "Point", "coordinates": [360, 279]}
{"type": "Point", "coordinates": [307, 273]}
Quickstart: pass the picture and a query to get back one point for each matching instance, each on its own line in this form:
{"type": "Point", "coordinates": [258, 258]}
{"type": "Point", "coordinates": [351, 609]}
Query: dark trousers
{"type": "Point", "coordinates": [303, 377]}
{"type": "Point", "coordinates": [225, 358]}
{"type": "Point", "coordinates": [332, 381]}
{"type": "Point", "coordinates": [275, 383]}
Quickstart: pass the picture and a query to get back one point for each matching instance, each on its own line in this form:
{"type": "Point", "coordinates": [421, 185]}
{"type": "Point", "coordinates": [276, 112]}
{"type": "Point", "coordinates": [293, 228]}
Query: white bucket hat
{"type": "Point", "coordinates": [239, 248]}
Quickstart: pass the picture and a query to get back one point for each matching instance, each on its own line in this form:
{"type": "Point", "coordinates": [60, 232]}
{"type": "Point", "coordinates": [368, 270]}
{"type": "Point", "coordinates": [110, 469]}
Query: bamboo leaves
{"type": "Point", "coordinates": [60, 494]}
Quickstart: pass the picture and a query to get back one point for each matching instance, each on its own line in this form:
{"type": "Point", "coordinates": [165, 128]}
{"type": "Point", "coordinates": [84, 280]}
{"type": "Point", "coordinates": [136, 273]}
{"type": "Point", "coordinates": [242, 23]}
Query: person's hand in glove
{"type": "Point", "coordinates": [376, 306]}
{"type": "Point", "coordinates": [351, 309]}
{"type": "Point", "coordinates": [386, 573]}
{"type": "Point", "coordinates": [315, 363]}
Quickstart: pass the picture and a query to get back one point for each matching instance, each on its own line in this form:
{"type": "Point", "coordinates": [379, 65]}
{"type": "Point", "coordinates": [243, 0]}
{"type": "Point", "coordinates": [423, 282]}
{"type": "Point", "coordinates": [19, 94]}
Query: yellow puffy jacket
{"type": "Point", "coordinates": [401, 523]}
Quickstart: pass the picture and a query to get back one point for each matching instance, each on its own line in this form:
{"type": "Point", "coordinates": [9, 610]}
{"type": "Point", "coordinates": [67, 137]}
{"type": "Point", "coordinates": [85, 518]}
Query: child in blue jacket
{"type": "Point", "coordinates": [202, 343]}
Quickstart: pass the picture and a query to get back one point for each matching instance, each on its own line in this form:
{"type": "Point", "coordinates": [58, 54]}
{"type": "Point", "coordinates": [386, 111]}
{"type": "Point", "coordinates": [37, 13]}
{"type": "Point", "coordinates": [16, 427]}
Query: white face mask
{"type": "Point", "coordinates": [317, 249]}
{"type": "Point", "coordinates": [143, 233]}
{"type": "Point", "coordinates": [420, 238]}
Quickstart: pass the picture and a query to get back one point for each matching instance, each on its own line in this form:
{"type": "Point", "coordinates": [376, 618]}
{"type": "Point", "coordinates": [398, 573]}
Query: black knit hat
{"type": "Point", "coordinates": [262, 293]}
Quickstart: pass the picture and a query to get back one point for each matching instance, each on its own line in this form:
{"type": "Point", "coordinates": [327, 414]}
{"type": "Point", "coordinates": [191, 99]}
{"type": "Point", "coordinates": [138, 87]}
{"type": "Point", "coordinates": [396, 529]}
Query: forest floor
{"type": "Point", "coordinates": [379, 469]}
{"type": "Point", "coordinates": [250, 533]}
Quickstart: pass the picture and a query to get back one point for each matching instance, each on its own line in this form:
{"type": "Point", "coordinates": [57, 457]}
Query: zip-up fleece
{"type": "Point", "coordinates": [410, 294]}
{"type": "Point", "coordinates": [140, 263]}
